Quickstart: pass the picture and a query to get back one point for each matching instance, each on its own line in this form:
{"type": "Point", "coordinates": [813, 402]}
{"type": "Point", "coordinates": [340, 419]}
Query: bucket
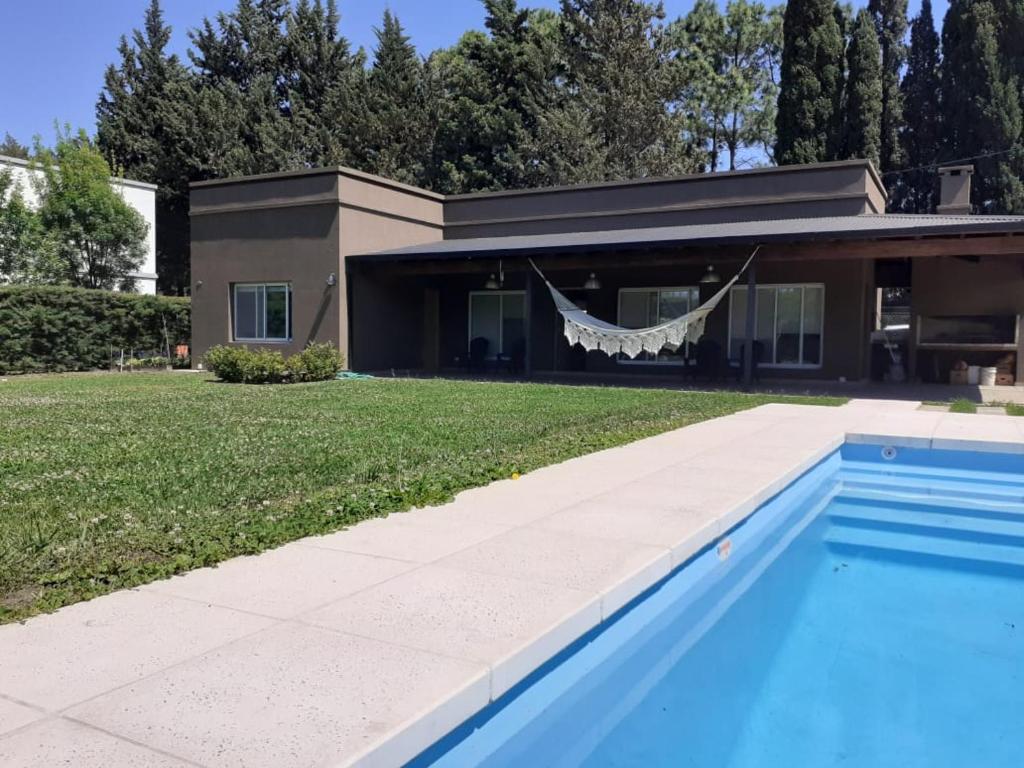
{"type": "Point", "coordinates": [973, 374]}
{"type": "Point", "coordinates": [988, 377]}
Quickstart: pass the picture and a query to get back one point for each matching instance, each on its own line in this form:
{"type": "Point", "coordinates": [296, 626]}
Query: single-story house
{"type": "Point", "coordinates": [139, 195]}
{"type": "Point", "coordinates": [403, 278]}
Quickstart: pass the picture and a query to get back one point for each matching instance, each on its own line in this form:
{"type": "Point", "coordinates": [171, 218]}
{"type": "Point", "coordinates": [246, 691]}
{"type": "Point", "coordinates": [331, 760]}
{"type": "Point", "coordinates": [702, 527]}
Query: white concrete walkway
{"type": "Point", "coordinates": [367, 645]}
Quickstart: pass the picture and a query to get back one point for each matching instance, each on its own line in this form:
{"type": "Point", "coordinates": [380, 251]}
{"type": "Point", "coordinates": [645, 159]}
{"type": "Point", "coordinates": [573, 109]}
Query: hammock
{"type": "Point", "coordinates": [591, 333]}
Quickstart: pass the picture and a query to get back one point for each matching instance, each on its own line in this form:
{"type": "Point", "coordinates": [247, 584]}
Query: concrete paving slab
{"type": "Point", "coordinates": [14, 715]}
{"type": "Point", "coordinates": [415, 538]}
{"type": "Point", "coordinates": [86, 649]}
{"type": "Point", "coordinates": [912, 429]}
{"type": "Point", "coordinates": [283, 582]}
{"type": "Point", "coordinates": [596, 566]}
{"type": "Point", "coordinates": [511, 625]}
{"type": "Point", "coordinates": [970, 432]}
{"type": "Point", "coordinates": [58, 741]}
{"type": "Point", "coordinates": [294, 696]}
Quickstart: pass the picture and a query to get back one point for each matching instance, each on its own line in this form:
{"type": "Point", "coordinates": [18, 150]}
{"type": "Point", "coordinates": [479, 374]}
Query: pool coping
{"type": "Point", "coordinates": [480, 568]}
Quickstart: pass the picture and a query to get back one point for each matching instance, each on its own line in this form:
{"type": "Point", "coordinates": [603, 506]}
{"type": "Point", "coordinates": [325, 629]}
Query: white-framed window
{"type": "Point", "coordinates": [645, 307]}
{"type": "Point", "coordinates": [261, 311]}
{"type": "Point", "coordinates": [789, 324]}
{"type": "Point", "coordinates": [499, 317]}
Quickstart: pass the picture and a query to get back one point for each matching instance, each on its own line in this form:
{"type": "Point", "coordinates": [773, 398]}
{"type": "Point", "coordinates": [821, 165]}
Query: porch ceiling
{"type": "Point", "coordinates": [909, 235]}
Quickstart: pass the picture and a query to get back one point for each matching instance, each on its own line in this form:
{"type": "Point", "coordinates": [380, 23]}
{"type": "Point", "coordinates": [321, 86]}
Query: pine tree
{"type": "Point", "coordinates": [863, 96]}
{"type": "Point", "coordinates": [890, 19]}
{"type": "Point", "coordinates": [619, 67]}
{"type": "Point", "coordinates": [981, 106]}
{"type": "Point", "coordinates": [811, 84]}
{"type": "Point", "coordinates": [11, 147]}
{"type": "Point", "coordinates": [914, 190]}
{"type": "Point", "coordinates": [395, 135]}
{"type": "Point", "coordinates": [135, 114]}
{"type": "Point", "coordinates": [325, 85]}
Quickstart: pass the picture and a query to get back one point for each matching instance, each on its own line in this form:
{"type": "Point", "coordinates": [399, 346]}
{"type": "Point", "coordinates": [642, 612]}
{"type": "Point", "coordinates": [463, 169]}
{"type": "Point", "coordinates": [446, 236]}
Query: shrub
{"type": "Point", "coordinates": [58, 328]}
{"type": "Point", "coordinates": [317, 362]}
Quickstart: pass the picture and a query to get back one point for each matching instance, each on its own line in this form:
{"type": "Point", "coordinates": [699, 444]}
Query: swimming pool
{"type": "Point", "coordinates": [872, 614]}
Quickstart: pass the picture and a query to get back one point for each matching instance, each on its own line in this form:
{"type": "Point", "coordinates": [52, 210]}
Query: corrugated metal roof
{"type": "Point", "coordinates": [862, 227]}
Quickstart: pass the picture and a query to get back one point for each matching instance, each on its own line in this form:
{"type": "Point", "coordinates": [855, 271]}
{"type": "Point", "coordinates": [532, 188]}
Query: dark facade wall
{"type": "Point", "coordinates": [295, 244]}
{"type": "Point", "coordinates": [845, 333]}
{"type": "Point", "coordinates": [387, 322]}
{"type": "Point", "coordinates": [829, 190]}
{"type": "Point", "coordinates": [951, 286]}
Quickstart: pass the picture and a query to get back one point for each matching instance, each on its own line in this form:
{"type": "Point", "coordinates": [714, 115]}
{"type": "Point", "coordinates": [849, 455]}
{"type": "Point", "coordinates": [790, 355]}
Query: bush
{"type": "Point", "coordinates": [317, 362]}
{"type": "Point", "coordinates": [57, 328]}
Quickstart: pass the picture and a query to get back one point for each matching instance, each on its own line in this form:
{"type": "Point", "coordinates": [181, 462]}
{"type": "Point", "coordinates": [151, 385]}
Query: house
{"type": "Point", "coordinates": [402, 278]}
{"type": "Point", "coordinates": [139, 195]}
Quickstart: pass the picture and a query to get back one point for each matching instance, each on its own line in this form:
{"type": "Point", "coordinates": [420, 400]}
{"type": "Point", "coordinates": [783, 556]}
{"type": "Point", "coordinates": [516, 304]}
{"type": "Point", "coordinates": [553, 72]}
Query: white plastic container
{"type": "Point", "coordinates": [988, 377]}
{"type": "Point", "coordinates": [973, 374]}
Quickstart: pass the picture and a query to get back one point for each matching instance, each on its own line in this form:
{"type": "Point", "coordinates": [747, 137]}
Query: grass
{"type": "Point", "coordinates": [1014, 409]}
{"type": "Point", "coordinates": [111, 481]}
{"type": "Point", "coordinates": [963, 405]}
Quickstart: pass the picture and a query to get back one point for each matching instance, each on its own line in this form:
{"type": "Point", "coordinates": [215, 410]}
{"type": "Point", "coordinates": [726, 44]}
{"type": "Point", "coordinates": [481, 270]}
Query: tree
{"type": "Point", "coordinates": [981, 106]}
{"type": "Point", "coordinates": [914, 190]}
{"type": "Point", "coordinates": [136, 115]}
{"type": "Point", "coordinates": [100, 240]}
{"type": "Point", "coordinates": [619, 66]}
{"type": "Point", "coordinates": [26, 255]}
{"type": "Point", "coordinates": [863, 98]}
{"type": "Point", "coordinates": [11, 147]}
{"type": "Point", "coordinates": [810, 90]}
{"type": "Point", "coordinates": [325, 85]}
{"type": "Point", "coordinates": [396, 133]}
{"type": "Point", "coordinates": [488, 94]}
{"type": "Point", "coordinates": [728, 74]}
{"type": "Point", "coordinates": [890, 19]}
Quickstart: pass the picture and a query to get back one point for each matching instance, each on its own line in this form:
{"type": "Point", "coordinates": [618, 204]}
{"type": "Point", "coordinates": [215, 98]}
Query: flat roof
{"type": "Point", "coordinates": [861, 227]}
{"type": "Point", "coordinates": [8, 160]}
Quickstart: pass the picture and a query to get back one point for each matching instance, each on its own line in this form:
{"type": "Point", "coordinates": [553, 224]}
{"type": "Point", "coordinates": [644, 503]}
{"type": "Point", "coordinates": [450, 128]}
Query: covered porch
{"type": "Point", "coordinates": [813, 301]}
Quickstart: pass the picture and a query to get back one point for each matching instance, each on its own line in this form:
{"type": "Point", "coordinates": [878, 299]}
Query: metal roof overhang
{"type": "Point", "coordinates": [843, 228]}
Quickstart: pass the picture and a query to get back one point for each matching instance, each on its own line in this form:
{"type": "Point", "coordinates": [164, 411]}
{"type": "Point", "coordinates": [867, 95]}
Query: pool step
{"type": "Point", "coordinates": [1009, 482]}
{"type": "Point", "coordinates": [940, 520]}
{"type": "Point", "coordinates": [930, 500]}
{"type": "Point", "coordinates": [924, 550]}
{"type": "Point", "coordinates": [1005, 494]}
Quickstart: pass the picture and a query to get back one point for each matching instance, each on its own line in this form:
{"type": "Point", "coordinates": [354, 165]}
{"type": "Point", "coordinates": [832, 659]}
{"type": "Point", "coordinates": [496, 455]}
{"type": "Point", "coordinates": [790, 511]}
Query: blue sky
{"type": "Point", "coordinates": [55, 51]}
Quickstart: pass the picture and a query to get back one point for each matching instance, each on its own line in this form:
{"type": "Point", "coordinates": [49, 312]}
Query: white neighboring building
{"type": "Point", "coordinates": [139, 195]}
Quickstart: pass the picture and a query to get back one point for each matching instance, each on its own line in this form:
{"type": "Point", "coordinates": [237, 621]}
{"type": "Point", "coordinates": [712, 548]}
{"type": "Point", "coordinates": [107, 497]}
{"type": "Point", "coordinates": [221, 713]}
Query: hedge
{"type": "Point", "coordinates": [57, 328]}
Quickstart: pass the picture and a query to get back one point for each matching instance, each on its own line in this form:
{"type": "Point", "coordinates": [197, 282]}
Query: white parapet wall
{"type": "Point", "coordinates": [139, 195]}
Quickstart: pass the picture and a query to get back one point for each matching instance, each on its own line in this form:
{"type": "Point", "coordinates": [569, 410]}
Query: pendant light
{"type": "Point", "coordinates": [592, 283]}
{"type": "Point", "coordinates": [711, 277]}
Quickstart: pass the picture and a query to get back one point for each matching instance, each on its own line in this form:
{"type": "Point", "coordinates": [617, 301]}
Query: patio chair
{"type": "Point", "coordinates": [758, 356]}
{"type": "Point", "coordinates": [708, 358]}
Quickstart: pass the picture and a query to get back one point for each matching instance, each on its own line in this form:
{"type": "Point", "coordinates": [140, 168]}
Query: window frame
{"type": "Point", "coordinates": [501, 293]}
{"type": "Point", "coordinates": [622, 359]}
{"type": "Point", "coordinates": [287, 338]}
{"type": "Point", "coordinates": [775, 324]}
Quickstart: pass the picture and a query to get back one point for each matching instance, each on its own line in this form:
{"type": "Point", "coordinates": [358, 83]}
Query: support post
{"type": "Point", "coordinates": [531, 281]}
{"type": "Point", "coordinates": [751, 330]}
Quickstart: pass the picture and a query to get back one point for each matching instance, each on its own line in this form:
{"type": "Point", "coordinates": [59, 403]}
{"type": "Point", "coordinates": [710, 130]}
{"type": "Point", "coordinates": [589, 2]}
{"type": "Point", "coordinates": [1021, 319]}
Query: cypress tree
{"type": "Point", "coordinates": [135, 115]}
{"type": "Point", "coordinates": [811, 84]}
{"type": "Point", "coordinates": [395, 133]}
{"type": "Point", "coordinates": [890, 19]}
{"type": "Point", "coordinates": [914, 190]}
{"type": "Point", "coordinates": [863, 97]}
{"type": "Point", "coordinates": [981, 106]}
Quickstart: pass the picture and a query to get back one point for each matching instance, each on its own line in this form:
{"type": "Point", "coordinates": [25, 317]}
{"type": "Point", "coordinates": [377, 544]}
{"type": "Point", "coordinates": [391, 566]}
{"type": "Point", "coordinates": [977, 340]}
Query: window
{"type": "Point", "coordinates": [645, 307]}
{"type": "Point", "coordinates": [262, 312]}
{"type": "Point", "coordinates": [788, 325]}
{"type": "Point", "coordinates": [499, 317]}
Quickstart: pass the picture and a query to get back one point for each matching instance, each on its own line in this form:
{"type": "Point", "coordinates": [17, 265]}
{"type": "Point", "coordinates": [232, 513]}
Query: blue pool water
{"type": "Point", "coordinates": [870, 615]}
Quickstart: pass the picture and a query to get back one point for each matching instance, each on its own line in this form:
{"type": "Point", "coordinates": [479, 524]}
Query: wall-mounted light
{"type": "Point", "coordinates": [592, 283]}
{"type": "Point", "coordinates": [332, 279]}
{"type": "Point", "coordinates": [711, 277]}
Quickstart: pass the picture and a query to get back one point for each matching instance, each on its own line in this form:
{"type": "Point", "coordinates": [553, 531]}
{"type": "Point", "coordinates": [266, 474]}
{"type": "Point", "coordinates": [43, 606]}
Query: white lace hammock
{"type": "Point", "coordinates": [591, 333]}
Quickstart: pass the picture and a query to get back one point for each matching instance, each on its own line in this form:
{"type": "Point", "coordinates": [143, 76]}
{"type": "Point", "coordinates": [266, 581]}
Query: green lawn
{"type": "Point", "coordinates": [108, 481]}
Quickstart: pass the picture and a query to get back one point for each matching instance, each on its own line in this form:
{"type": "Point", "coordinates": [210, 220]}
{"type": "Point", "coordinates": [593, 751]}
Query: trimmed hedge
{"type": "Point", "coordinates": [241, 365]}
{"type": "Point", "coordinates": [57, 328]}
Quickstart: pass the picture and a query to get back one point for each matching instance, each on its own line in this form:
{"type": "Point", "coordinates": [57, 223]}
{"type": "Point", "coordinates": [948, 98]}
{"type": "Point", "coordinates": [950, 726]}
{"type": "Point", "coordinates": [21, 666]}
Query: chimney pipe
{"type": "Point", "coordinates": [955, 190]}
